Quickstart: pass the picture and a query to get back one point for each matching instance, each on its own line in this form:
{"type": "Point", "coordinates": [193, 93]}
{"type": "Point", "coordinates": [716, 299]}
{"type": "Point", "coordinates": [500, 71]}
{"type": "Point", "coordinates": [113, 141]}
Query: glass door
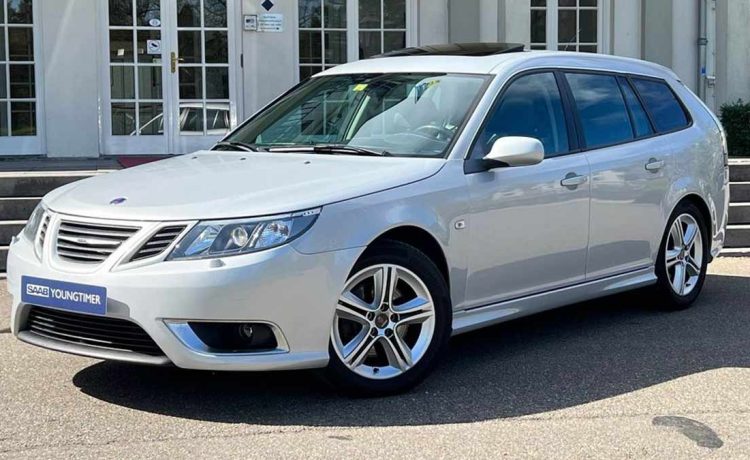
{"type": "Point", "coordinates": [201, 71]}
{"type": "Point", "coordinates": [171, 73]}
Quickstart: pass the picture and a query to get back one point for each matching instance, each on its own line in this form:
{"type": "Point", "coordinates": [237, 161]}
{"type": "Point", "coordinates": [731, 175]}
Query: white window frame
{"type": "Point", "coordinates": [352, 32]}
{"type": "Point", "coordinates": [29, 145]}
{"type": "Point", "coordinates": [602, 26]}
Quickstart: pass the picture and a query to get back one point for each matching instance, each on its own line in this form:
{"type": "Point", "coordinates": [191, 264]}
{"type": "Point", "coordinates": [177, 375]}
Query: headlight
{"type": "Point", "coordinates": [221, 238]}
{"type": "Point", "coordinates": [32, 225]}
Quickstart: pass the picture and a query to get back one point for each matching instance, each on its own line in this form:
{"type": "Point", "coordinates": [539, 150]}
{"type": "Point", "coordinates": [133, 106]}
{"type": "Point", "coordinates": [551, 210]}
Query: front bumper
{"type": "Point", "coordinates": [295, 293]}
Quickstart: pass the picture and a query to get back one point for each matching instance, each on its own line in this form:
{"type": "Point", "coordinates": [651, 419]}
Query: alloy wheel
{"type": "Point", "coordinates": [684, 254]}
{"type": "Point", "coordinates": [384, 321]}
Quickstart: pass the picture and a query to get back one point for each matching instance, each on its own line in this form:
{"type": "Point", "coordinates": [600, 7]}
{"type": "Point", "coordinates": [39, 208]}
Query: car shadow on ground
{"type": "Point", "coordinates": [559, 359]}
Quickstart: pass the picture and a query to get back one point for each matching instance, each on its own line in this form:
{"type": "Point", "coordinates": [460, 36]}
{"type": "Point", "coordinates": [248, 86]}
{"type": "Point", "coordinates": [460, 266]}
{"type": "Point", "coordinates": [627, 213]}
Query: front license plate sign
{"type": "Point", "coordinates": [81, 298]}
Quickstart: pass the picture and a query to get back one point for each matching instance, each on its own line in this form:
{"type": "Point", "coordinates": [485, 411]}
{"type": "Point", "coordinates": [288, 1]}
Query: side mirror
{"type": "Point", "coordinates": [515, 151]}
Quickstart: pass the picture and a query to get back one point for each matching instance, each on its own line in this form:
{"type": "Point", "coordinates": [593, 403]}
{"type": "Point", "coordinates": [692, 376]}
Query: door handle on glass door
{"type": "Point", "coordinates": [573, 180]}
{"type": "Point", "coordinates": [174, 60]}
{"type": "Point", "coordinates": [654, 165]}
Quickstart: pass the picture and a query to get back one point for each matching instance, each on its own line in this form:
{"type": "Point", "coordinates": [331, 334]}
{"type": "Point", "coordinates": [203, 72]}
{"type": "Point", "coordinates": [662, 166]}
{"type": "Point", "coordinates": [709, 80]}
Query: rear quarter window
{"type": "Point", "coordinates": [666, 111]}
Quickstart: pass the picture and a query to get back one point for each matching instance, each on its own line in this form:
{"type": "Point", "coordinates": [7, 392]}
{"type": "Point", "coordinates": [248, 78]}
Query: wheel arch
{"type": "Point", "coordinates": [701, 204]}
{"type": "Point", "coordinates": [420, 239]}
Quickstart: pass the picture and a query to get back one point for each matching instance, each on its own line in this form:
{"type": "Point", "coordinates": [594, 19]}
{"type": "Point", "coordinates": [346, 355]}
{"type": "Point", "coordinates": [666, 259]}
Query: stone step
{"type": "Point", "coordinates": [735, 252]}
{"type": "Point", "coordinates": [739, 213]}
{"type": "Point", "coordinates": [17, 208]}
{"type": "Point", "coordinates": [34, 184]}
{"type": "Point", "coordinates": [8, 229]}
{"type": "Point", "coordinates": [738, 236]}
{"type": "Point", "coordinates": [739, 192]}
{"type": "Point", "coordinates": [739, 171]}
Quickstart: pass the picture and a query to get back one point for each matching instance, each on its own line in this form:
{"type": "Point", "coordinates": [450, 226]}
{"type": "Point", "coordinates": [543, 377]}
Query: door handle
{"type": "Point", "coordinates": [654, 165]}
{"type": "Point", "coordinates": [573, 180]}
{"type": "Point", "coordinates": [173, 59]}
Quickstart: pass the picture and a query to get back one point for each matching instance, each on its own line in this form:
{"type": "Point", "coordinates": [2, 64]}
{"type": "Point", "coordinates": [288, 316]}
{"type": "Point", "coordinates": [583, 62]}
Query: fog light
{"type": "Point", "coordinates": [246, 331]}
{"type": "Point", "coordinates": [230, 337]}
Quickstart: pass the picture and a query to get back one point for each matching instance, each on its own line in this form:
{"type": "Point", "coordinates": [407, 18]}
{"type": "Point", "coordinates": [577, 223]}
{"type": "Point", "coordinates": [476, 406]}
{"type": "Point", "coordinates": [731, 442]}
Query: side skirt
{"type": "Point", "coordinates": [475, 318]}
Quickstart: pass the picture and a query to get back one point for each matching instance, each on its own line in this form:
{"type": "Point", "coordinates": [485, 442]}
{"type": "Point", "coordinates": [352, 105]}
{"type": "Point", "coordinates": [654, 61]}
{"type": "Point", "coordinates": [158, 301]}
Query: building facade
{"type": "Point", "coordinates": [89, 78]}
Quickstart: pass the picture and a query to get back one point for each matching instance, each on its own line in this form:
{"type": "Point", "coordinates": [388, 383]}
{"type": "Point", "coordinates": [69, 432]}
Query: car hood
{"type": "Point", "coordinates": [215, 185]}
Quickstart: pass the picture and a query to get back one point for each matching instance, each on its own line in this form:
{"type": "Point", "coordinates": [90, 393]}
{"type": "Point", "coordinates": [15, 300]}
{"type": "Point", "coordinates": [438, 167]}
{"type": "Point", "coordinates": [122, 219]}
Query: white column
{"type": "Point", "coordinates": [685, 31]}
{"type": "Point", "coordinates": [518, 21]}
{"type": "Point", "coordinates": [432, 21]}
{"type": "Point", "coordinates": [626, 33]}
{"type": "Point", "coordinates": [488, 20]}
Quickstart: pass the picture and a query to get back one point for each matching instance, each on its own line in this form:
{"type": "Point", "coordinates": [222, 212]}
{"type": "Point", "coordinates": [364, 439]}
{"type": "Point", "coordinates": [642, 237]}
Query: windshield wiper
{"type": "Point", "coordinates": [333, 149]}
{"type": "Point", "coordinates": [237, 146]}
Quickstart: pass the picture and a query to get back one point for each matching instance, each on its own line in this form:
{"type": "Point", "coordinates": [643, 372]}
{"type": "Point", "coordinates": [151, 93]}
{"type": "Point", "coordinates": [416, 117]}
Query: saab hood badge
{"type": "Point", "coordinates": [118, 200]}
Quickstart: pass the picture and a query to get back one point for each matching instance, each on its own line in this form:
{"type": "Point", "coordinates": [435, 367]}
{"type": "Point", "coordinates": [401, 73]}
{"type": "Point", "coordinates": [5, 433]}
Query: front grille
{"type": "Point", "coordinates": [158, 243]}
{"type": "Point", "coordinates": [90, 243]}
{"type": "Point", "coordinates": [94, 331]}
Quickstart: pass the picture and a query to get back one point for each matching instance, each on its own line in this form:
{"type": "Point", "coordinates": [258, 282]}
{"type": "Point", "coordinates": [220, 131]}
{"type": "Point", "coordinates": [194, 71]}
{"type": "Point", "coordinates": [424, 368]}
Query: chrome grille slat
{"type": "Point", "coordinates": [83, 242]}
{"type": "Point", "coordinates": [158, 242]}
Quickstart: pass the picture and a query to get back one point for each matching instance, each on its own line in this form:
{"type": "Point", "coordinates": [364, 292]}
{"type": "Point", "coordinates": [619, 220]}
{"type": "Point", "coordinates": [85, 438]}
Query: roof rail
{"type": "Point", "coordinates": [457, 49]}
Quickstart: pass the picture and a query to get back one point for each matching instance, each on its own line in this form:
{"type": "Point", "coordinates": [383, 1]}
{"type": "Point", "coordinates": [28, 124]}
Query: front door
{"type": "Point", "coordinates": [172, 74]}
{"type": "Point", "coordinates": [529, 224]}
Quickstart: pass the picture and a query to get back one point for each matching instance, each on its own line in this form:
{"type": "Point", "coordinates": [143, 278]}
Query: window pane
{"type": "Point", "coordinates": [22, 81]}
{"type": "Point", "coordinates": [335, 13]}
{"type": "Point", "coordinates": [188, 13]}
{"type": "Point", "coordinates": [369, 14]}
{"type": "Point", "coordinates": [588, 2]}
{"type": "Point", "coordinates": [149, 82]}
{"type": "Point", "coordinates": [191, 83]}
{"type": "Point", "coordinates": [121, 46]}
{"type": "Point", "coordinates": [601, 108]}
{"type": "Point", "coordinates": [122, 82]}
{"type": "Point", "coordinates": [567, 27]}
{"type": "Point", "coordinates": [123, 119]}
{"type": "Point", "coordinates": [189, 46]}
{"type": "Point", "coordinates": [310, 47]}
{"type": "Point", "coordinates": [217, 119]}
{"type": "Point", "coordinates": [538, 26]}
{"type": "Point", "coordinates": [120, 12]}
{"type": "Point", "coordinates": [394, 14]}
{"type": "Point", "coordinates": [308, 71]}
{"type": "Point", "coordinates": [3, 81]}
{"type": "Point", "coordinates": [191, 120]}
{"type": "Point", "coordinates": [309, 14]}
{"type": "Point", "coordinates": [215, 13]}
{"type": "Point", "coordinates": [21, 43]}
{"type": "Point", "coordinates": [20, 12]}
{"type": "Point", "coordinates": [588, 30]}
{"type": "Point", "coordinates": [217, 82]}
{"type": "Point", "coordinates": [2, 42]}
{"type": "Point", "coordinates": [532, 107]}
{"type": "Point", "coordinates": [143, 38]}
{"type": "Point", "coordinates": [335, 47]}
{"type": "Point", "coordinates": [217, 47]}
{"type": "Point", "coordinates": [662, 103]}
{"type": "Point", "coordinates": [393, 41]}
{"type": "Point", "coordinates": [148, 12]}
{"type": "Point", "coordinates": [642, 125]}
{"type": "Point", "coordinates": [151, 118]}
{"type": "Point", "coordinates": [541, 3]}
{"type": "Point", "coordinates": [587, 49]}
{"type": "Point", "coordinates": [369, 44]}
{"type": "Point", "coordinates": [567, 3]}
{"type": "Point", "coordinates": [4, 118]}
{"type": "Point", "coordinates": [23, 118]}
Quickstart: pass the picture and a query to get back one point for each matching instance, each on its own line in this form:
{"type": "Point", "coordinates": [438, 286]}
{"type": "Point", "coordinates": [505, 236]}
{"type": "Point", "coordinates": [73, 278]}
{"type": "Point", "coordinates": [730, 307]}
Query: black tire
{"type": "Point", "coordinates": [669, 299]}
{"type": "Point", "coordinates": [397, 253]}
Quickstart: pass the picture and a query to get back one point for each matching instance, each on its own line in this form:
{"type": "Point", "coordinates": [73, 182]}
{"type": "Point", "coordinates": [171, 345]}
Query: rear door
{"type": "Point", "coordinates": [629, 173]}
{"type": "Point", "coordinates": [529, 224]}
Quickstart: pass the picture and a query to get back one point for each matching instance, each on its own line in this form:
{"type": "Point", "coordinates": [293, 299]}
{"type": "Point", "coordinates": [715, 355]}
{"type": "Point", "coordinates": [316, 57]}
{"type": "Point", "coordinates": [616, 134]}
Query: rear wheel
{"type": "Point", "coordinates": [392, 321]}
{"type": "Point", "coordinates": [683, 258]}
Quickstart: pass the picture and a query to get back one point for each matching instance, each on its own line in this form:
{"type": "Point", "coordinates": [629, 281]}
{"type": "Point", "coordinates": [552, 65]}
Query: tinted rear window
{"type": "Point", "coordinates": [638, 114]}
{"type": "Point", "coordinates": [604, 118]}
{"type": "Point", "coordinates": [663, 105]}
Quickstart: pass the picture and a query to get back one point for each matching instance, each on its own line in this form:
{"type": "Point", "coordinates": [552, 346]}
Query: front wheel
{"type": "Point", "coordinates": [392, 321]}
{"type": "Point", "coordinates": [683, 258]}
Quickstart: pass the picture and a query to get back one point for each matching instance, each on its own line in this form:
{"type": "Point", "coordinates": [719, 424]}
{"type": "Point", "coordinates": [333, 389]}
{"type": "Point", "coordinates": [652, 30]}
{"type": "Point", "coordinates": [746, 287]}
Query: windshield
{"type": "Point", "coordinates": [397, 114]}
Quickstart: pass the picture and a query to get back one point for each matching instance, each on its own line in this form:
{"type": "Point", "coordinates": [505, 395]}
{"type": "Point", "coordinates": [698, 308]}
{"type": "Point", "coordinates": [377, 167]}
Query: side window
{"type": "Point", "coordinates": [637, 113]}
{"type": "Point", "coordinates": [600, 105]}
{"type": "Point", "coordinates": [531, 106]}
{"type": "Point", "coordinates": [659, 99]}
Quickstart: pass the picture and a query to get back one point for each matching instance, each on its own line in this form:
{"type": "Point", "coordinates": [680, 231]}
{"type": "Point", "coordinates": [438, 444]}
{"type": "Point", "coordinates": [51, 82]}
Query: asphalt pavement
{"type": "Point", "coordinates": [611, 378]}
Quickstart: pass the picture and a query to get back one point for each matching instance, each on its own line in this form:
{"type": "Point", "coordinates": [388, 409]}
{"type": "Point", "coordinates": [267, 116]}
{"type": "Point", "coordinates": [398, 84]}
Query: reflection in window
{"type": "Point", "coordinates": [665, 109]}
{"type": "Point", "coordinates": [17, 69]}
{"type": "Point", "coordinates": [601, 109]}
{"type": "Point", "coordinates": [530, 107]}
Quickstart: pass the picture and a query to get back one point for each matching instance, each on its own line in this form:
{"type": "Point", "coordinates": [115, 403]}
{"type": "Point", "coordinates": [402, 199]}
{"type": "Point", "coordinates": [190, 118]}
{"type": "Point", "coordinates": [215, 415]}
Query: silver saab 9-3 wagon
{"type": "Point", "coordinates": [362, 218]}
